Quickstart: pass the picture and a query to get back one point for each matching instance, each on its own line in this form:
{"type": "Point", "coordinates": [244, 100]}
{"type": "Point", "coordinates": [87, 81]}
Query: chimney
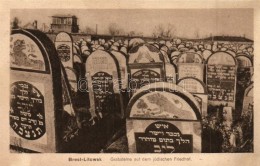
{"type": "Point", "coordinates": [35, 24]}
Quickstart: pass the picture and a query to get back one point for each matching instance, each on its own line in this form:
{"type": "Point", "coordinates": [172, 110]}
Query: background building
{"type": "Point", "coordinates": [67, 23]}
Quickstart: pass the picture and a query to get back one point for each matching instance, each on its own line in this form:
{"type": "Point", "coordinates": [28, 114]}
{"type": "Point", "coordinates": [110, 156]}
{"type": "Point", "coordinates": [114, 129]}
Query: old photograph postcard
{"type": "Point", "coordinates": [141, 82]}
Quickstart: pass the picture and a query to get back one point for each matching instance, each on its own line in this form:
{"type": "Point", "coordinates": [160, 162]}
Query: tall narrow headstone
{"type": "Point", "coordinates": [102, 73]}
{"type": "Point", "coordinates": [221, 79]}
{"type": "Point", "coordinates": [64, 47]}
{"type": "Point", "coordinates": [248, 102]}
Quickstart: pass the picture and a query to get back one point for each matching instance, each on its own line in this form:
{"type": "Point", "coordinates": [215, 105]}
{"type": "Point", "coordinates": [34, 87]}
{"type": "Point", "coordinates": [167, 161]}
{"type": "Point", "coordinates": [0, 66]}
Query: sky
{"type": "Point", "coordinates": [188, 22]}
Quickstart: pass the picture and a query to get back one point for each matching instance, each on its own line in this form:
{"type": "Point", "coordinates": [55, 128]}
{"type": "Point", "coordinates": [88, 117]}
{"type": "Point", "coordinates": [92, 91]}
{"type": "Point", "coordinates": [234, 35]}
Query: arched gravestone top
{"type": "Point", "coordinates": [63, 37]}
{"type": "Point", "coordinates": [231, 52]}
{"type": "Point", "coordinates": [36, 82]}
{"type": "Point", "coordinates": [221, 58]}
{"type": "Point", "coordinates": [163, 100]}
{"type": "Point", "coordinates": [190, 57]}
{"type": "Point", "coordinates": [26, 54]}
{"type": "Point", "coordinates": [135, 41]}
{"type": "Point", "coordinates": [192, 85]}
{"type": "Point", "coordinates": [104, 61]}
{"type": "Point", "coordinates": [244, 61]}
{"type": "Point", "coordinates": [145, 53]}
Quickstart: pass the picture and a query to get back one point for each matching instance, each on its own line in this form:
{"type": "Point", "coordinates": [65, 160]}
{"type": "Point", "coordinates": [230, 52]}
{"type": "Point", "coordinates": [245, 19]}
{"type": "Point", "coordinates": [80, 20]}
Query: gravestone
{"type": "Point", "coordinates": [190, 64]}
{"type": "Point", "coordinates": [163, 118]}
{"type": "Point", "coordinates": [72, 78]}
{"type": "Point", "coordinates": [102, 73]}
{"type": "Point", "coordinates": [221, 79]}
{"type": "Point", "coordinates": [248, 102]}
{"type": "Point", "coordinates": [146, 65]}
{"type": "Point", "coordinates": [244, 74]}
{"type": "Point", "coordinates": [36, 92]}
{"type": "Point", "coordinates": [227, 116]}
{"type": "Point", "coordinates": [244, 70]}
{"type": "Point", "coordinates": [121, 58]}
{"type": "Point", "coordinates": [199, 91]}
{"type": "Point", "coordinates": [64, 47]}
{"type": "Point", "coordinates": [170, 72]}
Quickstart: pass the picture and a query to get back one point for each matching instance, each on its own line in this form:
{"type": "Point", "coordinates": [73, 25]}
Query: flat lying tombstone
{"type": "Point", "coordinates": [163, 118]}
{"type": "Point", "coordinates": [199, 91]}
{"type": "Point", "coordinates": [64, 47]}
{"type": "Point", "coordinates": [36, 92]}
{"type": "Point", "coordinates": [102, 73]}
{"type": "Point", "coordinates": [221, 79]}
{"type": "Point", "coordinates": [248, 102]}
{"type": "Point", "coordinates": [146, 65]}
{"type": "Point", "coordinates": [72, 78]}
{"type": "Point", "coordinates": [190, 64]}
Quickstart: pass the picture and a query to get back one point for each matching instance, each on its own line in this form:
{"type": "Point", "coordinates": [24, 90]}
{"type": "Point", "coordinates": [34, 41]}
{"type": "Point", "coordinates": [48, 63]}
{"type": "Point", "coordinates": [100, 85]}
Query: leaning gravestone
{"type": "Point", "coordinates": [72, 78]}
{"type": "Point", "coordinates": [64, 47]}
{"type": "Point", "coordinates": [146, 65]}
{"type": "Point", "coordinates": [102, 73]}
{"type": "Point", "coordinates": [36, 92]}
{"type": "Point", "coordinates": [190, 64]}
{"type": "Point", "coordinates": [221, 79]}
{"type": "Point", "coordinates": [163, 118]}
{"type": "Point", "coordinates": [199, 91]}
{"type": "Point", "coordinates": [121, 58]}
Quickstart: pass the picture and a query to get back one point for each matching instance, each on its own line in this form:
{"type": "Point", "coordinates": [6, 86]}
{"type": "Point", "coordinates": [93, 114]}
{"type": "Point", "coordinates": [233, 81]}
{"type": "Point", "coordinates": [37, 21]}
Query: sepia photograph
{"type": "Point", "coordinates": [140, 81]}
{"type": "Point", "coordinates": [129, 83]}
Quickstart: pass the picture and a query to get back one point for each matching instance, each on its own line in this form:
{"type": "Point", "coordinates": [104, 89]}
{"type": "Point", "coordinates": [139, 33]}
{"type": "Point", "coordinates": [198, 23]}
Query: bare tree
{"type": "Point", "coordinates": [161, 30]}
{"type": "Point", "coordinates": [114, 29]}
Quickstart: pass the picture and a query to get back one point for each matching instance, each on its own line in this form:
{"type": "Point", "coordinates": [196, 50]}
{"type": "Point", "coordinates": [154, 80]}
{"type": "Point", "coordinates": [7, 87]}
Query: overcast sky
{"type": "Point", "coordinates": [233, 22]}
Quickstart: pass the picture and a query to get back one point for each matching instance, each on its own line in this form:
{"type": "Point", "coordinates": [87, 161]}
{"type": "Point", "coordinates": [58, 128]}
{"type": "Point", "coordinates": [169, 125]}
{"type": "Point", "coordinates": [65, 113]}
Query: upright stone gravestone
{"type": "Point", "coordinates": [170, 72]}
{"type": "Point", "coordinates": [248, 102]}
{"type": "Point", "coordinates": [244, 74]}
{"type": "Point", "coordinates": [64, 47]}
{"type": "Point", "coordinates": [102, 73]}
{"type": "Point", "coordinates": [221, 79]}
{"type": "Point", "coordinates": [199, 91]}
{"type": "Point", "coordinates": [36, 92]}
{"type": "Point", "coordinates": [163, 118]}
{"type": "Point", "coordinates": [244, 70]}
{"type": "Point", "coordinates": [146, 65]}
{"type": "Point", "coordinates": [72, 78]}
{"type": "Point", "coordinates": [121, 58]}
{"type": "Point", "coordinates": [190, 64]}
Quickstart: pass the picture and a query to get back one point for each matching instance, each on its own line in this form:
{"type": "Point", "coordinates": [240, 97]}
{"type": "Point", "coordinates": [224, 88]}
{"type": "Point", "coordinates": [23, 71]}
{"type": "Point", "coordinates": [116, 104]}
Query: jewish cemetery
{"type": "Point", "coordinates": [78, 90]}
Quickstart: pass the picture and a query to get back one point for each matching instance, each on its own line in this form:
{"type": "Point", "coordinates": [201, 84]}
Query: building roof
{"type": "Point", "coordinates": [64, 15]}
{"type": "Point", "coordinates": [229, 38]}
